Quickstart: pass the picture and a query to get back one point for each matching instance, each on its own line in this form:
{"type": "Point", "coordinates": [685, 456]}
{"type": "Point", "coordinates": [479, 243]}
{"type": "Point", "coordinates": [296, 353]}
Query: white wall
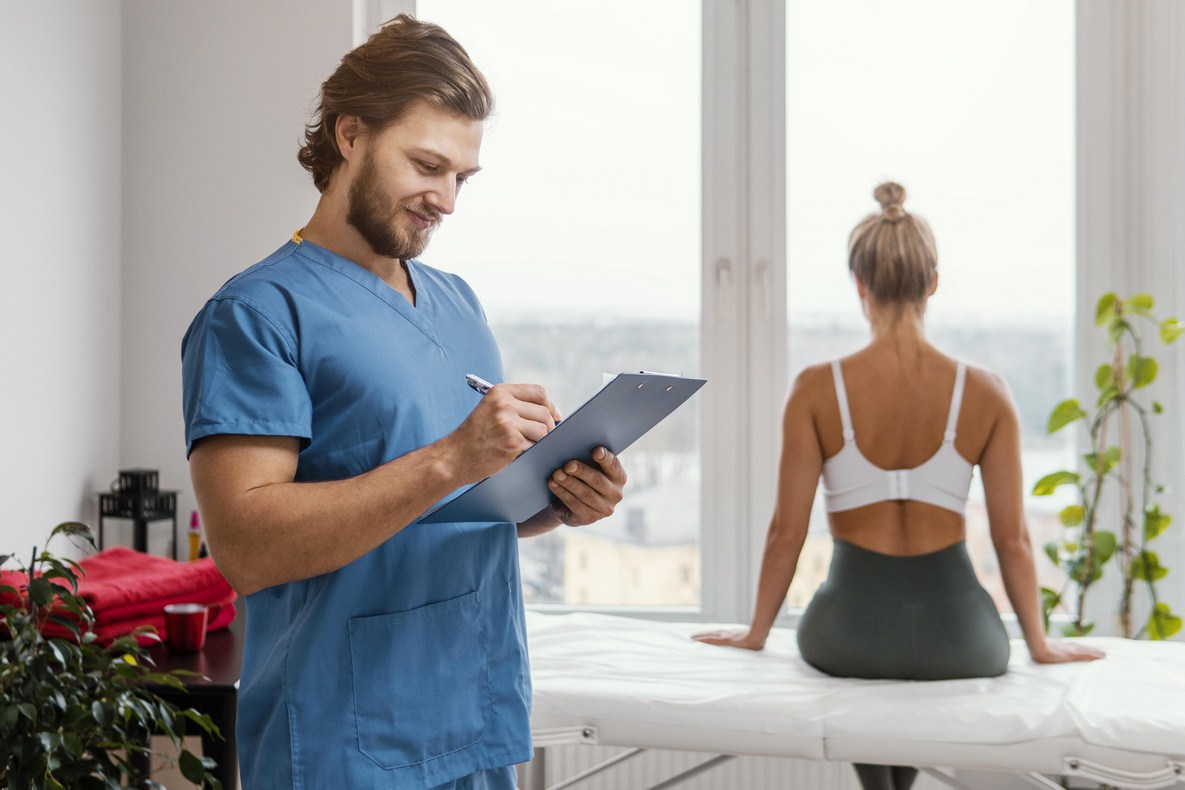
{"type": "Point", "coordinates": [216, 95]}
{"type": "Point", "coordinates": [148, 153]}
{"type": "Point", "coordinates": [60, 259]}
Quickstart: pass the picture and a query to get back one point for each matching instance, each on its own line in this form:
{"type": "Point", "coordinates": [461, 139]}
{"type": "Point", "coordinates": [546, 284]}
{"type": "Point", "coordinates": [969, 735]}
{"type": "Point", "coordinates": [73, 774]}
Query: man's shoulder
{"type": "Point", "coordinates": [276, 270]}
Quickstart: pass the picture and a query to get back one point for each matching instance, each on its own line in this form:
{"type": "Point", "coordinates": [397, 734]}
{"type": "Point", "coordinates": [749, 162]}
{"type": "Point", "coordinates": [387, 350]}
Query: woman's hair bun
{"type": "Point", "coordinates": [891, 196]}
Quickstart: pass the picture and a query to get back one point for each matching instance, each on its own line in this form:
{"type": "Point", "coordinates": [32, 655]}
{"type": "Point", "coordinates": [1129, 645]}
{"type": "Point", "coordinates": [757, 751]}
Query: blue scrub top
{"type": "Point", "coordinates": [407, 668]}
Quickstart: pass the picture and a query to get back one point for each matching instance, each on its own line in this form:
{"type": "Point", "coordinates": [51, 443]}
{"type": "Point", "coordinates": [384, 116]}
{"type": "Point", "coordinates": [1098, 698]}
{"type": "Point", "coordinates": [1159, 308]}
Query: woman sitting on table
{"type": "Point", "coordinates": [895, 430]}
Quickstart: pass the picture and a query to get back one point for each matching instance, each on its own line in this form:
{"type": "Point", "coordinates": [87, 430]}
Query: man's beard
{"type": "Point", "coordinates": [373, 216]}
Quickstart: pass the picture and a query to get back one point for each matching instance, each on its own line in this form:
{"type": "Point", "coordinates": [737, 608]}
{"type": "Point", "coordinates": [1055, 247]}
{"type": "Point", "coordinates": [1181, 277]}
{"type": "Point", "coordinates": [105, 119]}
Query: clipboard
{"type": "Point", "coordinates": [617, 416]}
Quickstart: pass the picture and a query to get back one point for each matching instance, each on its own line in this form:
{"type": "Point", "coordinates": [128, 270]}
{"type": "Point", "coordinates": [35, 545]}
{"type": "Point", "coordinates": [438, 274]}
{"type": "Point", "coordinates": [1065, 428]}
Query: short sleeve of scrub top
{"type": "Point", "coordinates": [244, 376]}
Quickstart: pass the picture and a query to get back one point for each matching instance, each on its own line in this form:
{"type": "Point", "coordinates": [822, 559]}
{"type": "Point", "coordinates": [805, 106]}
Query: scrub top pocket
{"type": "Point", "coordinates": [404, 718]}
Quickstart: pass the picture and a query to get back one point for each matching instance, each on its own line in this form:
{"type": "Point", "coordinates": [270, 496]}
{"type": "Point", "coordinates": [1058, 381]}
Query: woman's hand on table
{"type": "Point", "coordinates": [1065, 651]}
{"type": "Point", "coordinates": [732, 638]}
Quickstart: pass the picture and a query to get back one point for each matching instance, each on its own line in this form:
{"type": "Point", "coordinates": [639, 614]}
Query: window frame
{"type": "Point", "coordinates": [743, 276]}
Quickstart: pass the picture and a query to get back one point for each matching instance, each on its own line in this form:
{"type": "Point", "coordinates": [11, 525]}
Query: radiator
{"type": "Point", "coordinates": [743, 773]}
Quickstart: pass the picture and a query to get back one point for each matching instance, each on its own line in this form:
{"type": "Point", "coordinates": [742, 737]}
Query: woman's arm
{"type": "Point", "coordinates": [798, 477]}
{"type": "Point", "coordinates": [1003, 489]}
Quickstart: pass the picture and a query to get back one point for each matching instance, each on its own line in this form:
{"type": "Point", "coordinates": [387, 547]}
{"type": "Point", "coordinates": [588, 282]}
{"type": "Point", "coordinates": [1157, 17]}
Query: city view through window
{"type": "Point", "coordinates": [582, 233]}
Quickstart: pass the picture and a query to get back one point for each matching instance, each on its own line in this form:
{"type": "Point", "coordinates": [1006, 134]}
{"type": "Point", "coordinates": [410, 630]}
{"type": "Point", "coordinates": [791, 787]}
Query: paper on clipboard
{"type": "Point", "coordinates": [618, 415]}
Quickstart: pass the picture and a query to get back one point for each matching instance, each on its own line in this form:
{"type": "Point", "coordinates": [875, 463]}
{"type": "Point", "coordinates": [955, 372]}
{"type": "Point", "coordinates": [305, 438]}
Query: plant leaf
{"type": "Point", "coordinates": [1071, 515]}
{"type": "Point", "coordinates": [1146, 567]}
{"type": "Point", "coordinates": [1063, 414]}
{"type": "Point", "coordinates": [1157, 408]}
{"type": "Point", "coordinates": [1155, 522]}
{"type": "Point", "coordinates": [191, 767]}
{"type": "Point", "coordinates": [1104, 375]}
{"type": "Point", "coordinates": [1049, 601]}
{"type": "Point", "coordinates": [1100, 465]}
{"type": "Point", "coordinates": [1139, 304]}
{"type": "Point", "coordinates": [1104, 546]}
{"type": "Point", "coordinates": [41, 591]}
{"type": "Point", "coordinates": [1115, 329]}
{"type": "Point", "coordinates": [1171, 329]}
{"type": "Point", "coordinates": [1108, 393]}
{"type": "Point", "coordinates": [1105, 308]}
{"type": "Point", "coordinates": [74, 529]}
{"type": "Point", "coordinates": [1141, 370]}
{"type": "Point", "coordinates": [1051, 551]}
{"type": "Point", "coordinates": [1162, 623]}
{"type": "Point", "coordinates": [1073, 629]}
{"type": "Point", "coordinates": [1077, 570]}
{"type": "Point", "coordinates": [1048, 484]}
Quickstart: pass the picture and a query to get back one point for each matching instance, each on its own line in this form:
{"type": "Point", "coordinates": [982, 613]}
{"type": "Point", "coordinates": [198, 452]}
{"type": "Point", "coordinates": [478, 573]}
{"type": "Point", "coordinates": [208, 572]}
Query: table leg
{"type": "Point", "coordinates": [222, 750]}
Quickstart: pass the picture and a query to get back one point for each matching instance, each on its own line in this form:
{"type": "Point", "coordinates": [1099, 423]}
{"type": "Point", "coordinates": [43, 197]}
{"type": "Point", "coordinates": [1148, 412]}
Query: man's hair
{"type": "Point", "coordinates": [404, 62]}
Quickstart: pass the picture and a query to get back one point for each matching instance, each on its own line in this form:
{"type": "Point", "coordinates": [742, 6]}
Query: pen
{"type": "Point", "coordinates": [478, 383]}
{"type": "Point", "coordinates": [482, 386]}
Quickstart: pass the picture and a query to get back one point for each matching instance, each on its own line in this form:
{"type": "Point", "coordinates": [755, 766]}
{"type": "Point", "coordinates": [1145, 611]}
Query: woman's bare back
{"type": "Point", "coordinates": [899, 397]}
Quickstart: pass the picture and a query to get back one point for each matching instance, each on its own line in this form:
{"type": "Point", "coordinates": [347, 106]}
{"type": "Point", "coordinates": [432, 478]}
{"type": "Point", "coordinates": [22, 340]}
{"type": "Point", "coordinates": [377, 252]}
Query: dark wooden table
{"type": "Point", "coordinates": [220, 661]}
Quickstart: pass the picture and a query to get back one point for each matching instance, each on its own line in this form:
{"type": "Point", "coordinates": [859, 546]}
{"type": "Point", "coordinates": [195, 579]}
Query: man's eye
{"type": "Point", "coordinates": [427, 167]}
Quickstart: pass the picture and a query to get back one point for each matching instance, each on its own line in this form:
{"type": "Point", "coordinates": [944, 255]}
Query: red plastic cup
{"type": "Point", "coordinates": [185, 627]}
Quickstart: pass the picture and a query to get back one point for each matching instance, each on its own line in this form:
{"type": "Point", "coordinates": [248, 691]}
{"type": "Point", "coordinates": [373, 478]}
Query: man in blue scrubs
{"type": "Point", "coordinates": [326, 409]}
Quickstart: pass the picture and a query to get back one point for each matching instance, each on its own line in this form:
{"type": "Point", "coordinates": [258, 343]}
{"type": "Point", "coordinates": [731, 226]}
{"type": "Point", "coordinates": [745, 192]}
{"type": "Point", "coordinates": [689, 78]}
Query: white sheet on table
{"type": "Point", "coordinates": [651, 673]}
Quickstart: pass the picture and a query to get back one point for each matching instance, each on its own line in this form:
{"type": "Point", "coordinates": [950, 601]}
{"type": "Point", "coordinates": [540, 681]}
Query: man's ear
{"type": "Point", "coordinates": [347, 132]}
{"type": "Point", "coordinates": [933, 285]}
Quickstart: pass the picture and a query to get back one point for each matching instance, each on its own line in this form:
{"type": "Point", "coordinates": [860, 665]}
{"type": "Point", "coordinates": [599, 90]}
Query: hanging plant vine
{"type": "Point", "coordinates": [1120, 433]}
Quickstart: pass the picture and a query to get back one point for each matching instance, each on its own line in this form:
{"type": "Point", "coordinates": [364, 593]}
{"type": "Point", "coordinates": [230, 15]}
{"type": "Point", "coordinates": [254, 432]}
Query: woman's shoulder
{"type": "Point", "coordinates": [989, 382]}
{"type": "Point", "coordinates": [813, 375]}
{"type": "Point", "coordinates": [813, 382]}
{"type": "Point", "coordinates": [988, 397]}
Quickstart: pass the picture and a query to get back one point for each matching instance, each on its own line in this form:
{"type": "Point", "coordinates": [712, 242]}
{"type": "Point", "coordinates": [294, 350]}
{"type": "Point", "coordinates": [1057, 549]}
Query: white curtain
{"type": "Point", "coordinates": [1131, 221]}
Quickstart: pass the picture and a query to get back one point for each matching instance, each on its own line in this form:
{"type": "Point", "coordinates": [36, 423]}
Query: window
{"type": "Point", "coordinates": [581, 236]}
{"type": "Point", "coordinates": [941, 114]}
{"type": "Point", "coordinates": [645, 153]}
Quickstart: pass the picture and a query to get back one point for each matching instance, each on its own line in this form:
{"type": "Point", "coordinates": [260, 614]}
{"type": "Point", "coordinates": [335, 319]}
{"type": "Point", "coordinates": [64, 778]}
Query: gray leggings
{"type": "Point", "coordinates": [923, 617]}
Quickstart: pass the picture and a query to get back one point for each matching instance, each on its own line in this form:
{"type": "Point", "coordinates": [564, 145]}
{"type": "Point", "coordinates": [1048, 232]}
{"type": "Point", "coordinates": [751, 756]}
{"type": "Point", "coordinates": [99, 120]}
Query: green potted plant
{"type": "Point", "coordinates": [1116, 518]}
{"type": "Point", "coordinates": [75, 713]}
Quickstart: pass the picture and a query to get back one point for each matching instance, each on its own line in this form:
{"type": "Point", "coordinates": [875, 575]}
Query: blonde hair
{"type": "Point", "coordinates": [893, 252]}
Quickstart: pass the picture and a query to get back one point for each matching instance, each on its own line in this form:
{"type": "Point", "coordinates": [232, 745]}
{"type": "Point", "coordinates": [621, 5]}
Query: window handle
{"type": "Point", "coordinates": [723, 285]}
{"type": "Point", "coordinates": [763, 287]}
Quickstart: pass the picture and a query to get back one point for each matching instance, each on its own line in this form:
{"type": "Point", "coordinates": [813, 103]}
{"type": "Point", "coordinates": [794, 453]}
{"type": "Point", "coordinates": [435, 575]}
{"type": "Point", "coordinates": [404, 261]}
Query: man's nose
{"type": "Point", "coordinates": [444, 197]}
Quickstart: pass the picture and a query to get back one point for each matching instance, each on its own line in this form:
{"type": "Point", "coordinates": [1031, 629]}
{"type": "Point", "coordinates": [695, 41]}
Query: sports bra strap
{"type": "Point", "coordinates": [956, 400]}
{"type": "Point", "coordinates": [845, 416]}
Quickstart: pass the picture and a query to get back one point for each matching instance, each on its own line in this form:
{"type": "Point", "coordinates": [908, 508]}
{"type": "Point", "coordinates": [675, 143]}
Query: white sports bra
{"type": "Point", "coordinates": [850, 480]}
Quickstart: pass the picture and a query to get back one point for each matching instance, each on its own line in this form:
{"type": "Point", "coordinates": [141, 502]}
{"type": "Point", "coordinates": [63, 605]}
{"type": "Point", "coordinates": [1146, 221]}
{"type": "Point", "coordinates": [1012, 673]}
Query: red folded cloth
{"type": "Point", "coordinates": [126, 588]}
{"type": "Point", "coordinates": [122, 583]}
{"type": "Point", "coordinates": [220, 616]}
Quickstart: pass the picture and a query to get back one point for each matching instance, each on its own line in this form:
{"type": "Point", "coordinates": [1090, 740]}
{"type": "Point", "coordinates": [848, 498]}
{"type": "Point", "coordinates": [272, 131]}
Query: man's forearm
{"type": "Point", "coordinates": [281, 531]}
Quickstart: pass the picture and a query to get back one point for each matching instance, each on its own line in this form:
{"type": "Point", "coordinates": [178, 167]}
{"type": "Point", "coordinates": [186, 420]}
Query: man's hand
{"type": "Point", "coordinates": [586, 493]}
{"type": "Point", "coordinates": [507, 421]}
